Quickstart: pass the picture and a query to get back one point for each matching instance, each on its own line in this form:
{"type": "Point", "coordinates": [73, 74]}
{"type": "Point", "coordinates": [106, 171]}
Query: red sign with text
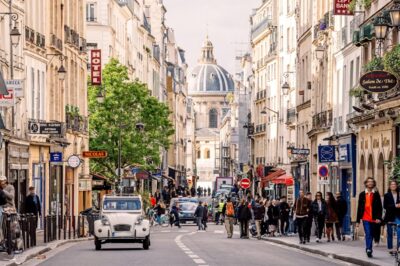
{"type": "Point", "coordinates": [341, 8]}
{"type": "Point", "coordinates": [245, 183]}
{"type": "Point", "coordinates": [95, 63]}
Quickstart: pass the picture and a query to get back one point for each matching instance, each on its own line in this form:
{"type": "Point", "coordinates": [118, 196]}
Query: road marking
{"type": "Point", "coordinates": [194, 256]}
{"type": "Point", "coordinates": [187, 251]}
{"type": "Point", "coordinates": [199, 261]}
{"type": "Point", "coordinates": [166, 231]}
{"type": "Point", "coordinates": [218, 232]}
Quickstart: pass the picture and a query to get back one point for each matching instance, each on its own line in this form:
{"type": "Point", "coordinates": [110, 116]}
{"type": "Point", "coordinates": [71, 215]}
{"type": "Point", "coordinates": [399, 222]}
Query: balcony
{"type": "Point", "coordinates": [56, 43]}
{"type": "Point", "coordinates": [260, 27]}
{"type": "Point", "coordinates": [77, 123]}
{"type": "Point", "coordinates": [91, 19]}
{"type": "Point", "coordinates": [291, 116]}
{"type": "Point", "coordinates": [322, 120]}
{"type": "Point", "coordinates": [261, 95]}
{"type": "Point", "coordinates": [29, 35]}
{"type": "Point", "coordinates": [260, 128]}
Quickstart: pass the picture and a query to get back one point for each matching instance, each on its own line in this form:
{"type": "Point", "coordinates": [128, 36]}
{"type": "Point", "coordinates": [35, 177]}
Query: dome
{"type": "Point", "coordinates": [208, 76]}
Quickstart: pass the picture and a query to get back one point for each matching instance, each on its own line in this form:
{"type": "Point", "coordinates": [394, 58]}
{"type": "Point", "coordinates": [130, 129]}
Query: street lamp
{"type": "Point", "coordinates": [381, 28]}
{"type": "Point", "coordinates": [395, 14]}
{"type": "Point", "coordinates": [320, 52]}
{"type": "Point", "coordinates": [15, 36]}
{"type": "Point", "coordinates": [100, 96]}
{"type": "Point", "coordinates": [285, 88]}
{"type": "Point", "coordinates": [61, 73]}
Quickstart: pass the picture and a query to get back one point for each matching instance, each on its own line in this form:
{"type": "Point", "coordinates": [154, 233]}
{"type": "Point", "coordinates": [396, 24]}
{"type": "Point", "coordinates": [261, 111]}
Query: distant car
{"type": "Point", "coordinates": [122, 221]}
{"type": "Point", "coordinates": [186, 212]}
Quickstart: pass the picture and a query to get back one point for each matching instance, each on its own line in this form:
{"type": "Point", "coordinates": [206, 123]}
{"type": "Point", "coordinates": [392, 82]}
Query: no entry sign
{"type": "Point", "coordinates": [245, 183]}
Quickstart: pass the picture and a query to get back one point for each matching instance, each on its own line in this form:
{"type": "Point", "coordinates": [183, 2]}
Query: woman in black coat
{"type": "Point", "coordinates": [391, 203]}
{"type": "Point", "coordinates": [273, 217]}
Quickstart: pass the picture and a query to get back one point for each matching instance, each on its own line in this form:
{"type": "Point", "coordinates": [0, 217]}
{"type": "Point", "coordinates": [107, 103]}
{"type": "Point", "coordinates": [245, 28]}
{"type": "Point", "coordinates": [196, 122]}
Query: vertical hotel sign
{"type": "Point", "coordinates": [341, 8]}
{"type": "Point", "coordinates": [95, 63]}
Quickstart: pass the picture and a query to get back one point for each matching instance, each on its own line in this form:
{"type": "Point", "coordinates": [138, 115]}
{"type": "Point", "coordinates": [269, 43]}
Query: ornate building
{"type": "Point", "coordinates": [208, 86]}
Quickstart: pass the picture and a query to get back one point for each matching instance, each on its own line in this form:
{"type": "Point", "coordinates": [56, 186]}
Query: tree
{"type": "Point", "coordinates": [126, 103]}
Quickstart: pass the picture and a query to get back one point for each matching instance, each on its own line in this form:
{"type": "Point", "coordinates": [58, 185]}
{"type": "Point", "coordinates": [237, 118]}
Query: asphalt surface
{"type": "Point", "coordinates": [184, 247]}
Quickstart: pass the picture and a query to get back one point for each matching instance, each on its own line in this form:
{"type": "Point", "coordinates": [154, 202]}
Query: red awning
{"type": "Point", "coordinates": [284, 179]}
{"type": "Point", "coordinates": [271, 176]}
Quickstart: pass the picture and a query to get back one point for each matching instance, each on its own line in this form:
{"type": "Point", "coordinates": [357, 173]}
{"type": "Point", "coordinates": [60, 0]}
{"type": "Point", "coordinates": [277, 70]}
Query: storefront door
{"type": "Point", "coordinates": [346, 187]}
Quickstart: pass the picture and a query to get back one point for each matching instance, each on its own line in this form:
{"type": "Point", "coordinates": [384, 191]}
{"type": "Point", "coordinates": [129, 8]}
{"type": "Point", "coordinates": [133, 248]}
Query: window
{"type": "Point", "coordinates": [91, 12]}
{"type": "Point", "coordinates": [198, 154]}
{"type": "Point", "coordinates": [207, 153]}
{"type": "Point", "coordinates": [213, 118]}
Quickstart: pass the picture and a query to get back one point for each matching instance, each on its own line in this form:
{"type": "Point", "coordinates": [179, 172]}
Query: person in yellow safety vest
{"type": "Point", "coordinates": [219, 212]}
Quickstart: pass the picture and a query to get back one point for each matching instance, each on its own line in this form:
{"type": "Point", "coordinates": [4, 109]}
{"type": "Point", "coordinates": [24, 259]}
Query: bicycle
{"type": "Point", "coordinates": [396, 254]}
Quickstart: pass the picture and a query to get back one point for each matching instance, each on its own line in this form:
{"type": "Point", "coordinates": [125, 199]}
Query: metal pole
{"type": "Point", "coordinates": [11, 65]}
{"type": "Point", "coordinates": [119, 159]}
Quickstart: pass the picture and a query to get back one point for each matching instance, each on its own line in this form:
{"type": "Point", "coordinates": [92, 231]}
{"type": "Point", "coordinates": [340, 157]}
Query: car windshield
{"type": "Point", "coordinates": [188, 207]}
{"type": "Point", "coordinates": [122, 205]}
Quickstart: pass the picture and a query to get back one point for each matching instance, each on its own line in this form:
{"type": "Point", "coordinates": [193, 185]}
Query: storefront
{"type": "Point", "coordinates": [18, 167]}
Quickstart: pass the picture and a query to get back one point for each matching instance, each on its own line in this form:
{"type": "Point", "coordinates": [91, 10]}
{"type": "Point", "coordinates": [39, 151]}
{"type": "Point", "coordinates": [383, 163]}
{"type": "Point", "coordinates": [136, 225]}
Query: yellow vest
{"type": "Point", "coordinates": [220, 206]}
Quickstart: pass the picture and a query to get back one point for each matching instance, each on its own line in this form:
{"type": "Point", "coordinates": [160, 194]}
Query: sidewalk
{"type": "Point", "coordinates": [40, 248]}
{"type": "Point", "coordinates": [349, 251]}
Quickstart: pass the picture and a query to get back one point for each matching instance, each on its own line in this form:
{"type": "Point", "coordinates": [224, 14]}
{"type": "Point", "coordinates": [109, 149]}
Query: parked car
{"type": "Point", "coordinates": [122, 221]}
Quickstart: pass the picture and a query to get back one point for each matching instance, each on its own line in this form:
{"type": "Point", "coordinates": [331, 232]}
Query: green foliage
{"type": "Point", "coordinates": [391, 60]}
{"type": "Point", "coordinates": [126, 103]}
{"type": "Point", "coordinates": [352, 5]}
{"type": "Point", "coordinates": [375, 64]}
{"type": "Point", "coordinates": [357, 92]}
{"type": "Point", "coordinates": [396, 168]}
{"type": "Point", "coordinates": [364, 3]}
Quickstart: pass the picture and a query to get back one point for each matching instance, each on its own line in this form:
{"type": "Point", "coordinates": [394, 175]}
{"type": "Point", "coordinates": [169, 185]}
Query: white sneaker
{"type": "Point", "coordinates": [317, 240]}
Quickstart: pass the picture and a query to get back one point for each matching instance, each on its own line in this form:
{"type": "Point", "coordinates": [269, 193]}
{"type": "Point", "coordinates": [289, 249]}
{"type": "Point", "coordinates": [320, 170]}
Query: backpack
{"type": "Point", "coordinates": [230, 211]}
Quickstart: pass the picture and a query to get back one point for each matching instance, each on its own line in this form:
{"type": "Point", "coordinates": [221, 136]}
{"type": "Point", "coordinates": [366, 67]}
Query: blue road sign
{"type": "Point", "coordinates": [326, 153]}
{"type": "Point", "coordinates": [56, 157]}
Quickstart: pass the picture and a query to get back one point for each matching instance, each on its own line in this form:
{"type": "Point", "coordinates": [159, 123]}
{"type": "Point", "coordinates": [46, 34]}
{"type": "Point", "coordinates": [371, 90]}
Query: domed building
{"type": "Point", "coordinates": [209, 87]}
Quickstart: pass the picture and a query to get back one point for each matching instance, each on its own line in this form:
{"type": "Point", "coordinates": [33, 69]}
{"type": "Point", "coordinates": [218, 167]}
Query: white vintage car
{"type": "Point", "coordinates": [122, 221]}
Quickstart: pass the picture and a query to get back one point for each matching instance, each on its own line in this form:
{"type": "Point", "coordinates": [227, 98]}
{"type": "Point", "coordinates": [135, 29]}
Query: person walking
{"type": "Point", "coordinates": [369, 211]}
{"type": "Point", "coordinates": [219, 211]}
{"type": "Point", "coordinates": [199, 214]}
{"type": "Point", "coordinates": [259, 212]}
{"type": "Point", "coordinates": [273, 218]}
{"type": "Point", "coordinates": [309, 219]}
{"type": "Point", "coordinates": [331, 216]}
{"type": "Point", "coordinates": [174, 215]}
{"type": "Point", "coordinates": [193, 191]}
{"type": "Point", "coordinates": [391, 204]}
{"type": "Point", "coordinates": [32, 204]}
{"type": "Point", "coordinates": [153, 201]}
{"type": "Point", "coordinates": [341, 210]}
{"type": "Point", "coordinates": [244, 216]}
{"type": "Point", "coordinates": [205, 215]}
{"type": "Point", "coordinates": [284, 210]}
{"type": "Point", "coordinates": [229, 211]}
{"type": "Point", "coordinates": [157, 195]}
{"type": "Point", "coordinates": [302, 207]}
{"type": "Point", "coordinates": [319, 214]}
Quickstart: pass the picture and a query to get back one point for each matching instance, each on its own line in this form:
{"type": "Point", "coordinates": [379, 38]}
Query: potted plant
{"type": "Point", "coordinates": [376, 63]}
{"type": "Point", "coordinates": [391, 60]}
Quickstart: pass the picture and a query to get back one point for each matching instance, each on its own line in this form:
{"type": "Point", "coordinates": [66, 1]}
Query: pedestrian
{"type": "Point", "coordinates": [32, 204]}
{"type": "Point", "coordinates": [284, 210]}
{"type": "Point", "coordinates": [244, 216]}
{"type": "Point", "coordinates": [229, 212]}
{"type": "Point", "coordinates": [209, 191]}
{"type": "Point", "coordinates": [273, 217]}
{"type": "Point", "coordinates": [160, 210]}
{"type": "Point", "coordinates": [319, 214]}
{"type": "Point", "coordinates": [199, 213]}
{"type": "Point", "coordinates": [331, 216]}
{"type": "Point", "coordinates": [205, 215]}
{"type": "Point", "coordinates": [369, 211]}
{"type": "Point", "coordinates": [153, 201]}
{"type": "Point", "coordinates": [302, 207]}
{"type": "Point", "coordinates": [259, 212]}
{"type": "Point", "coordinates": [157, 195]}
{"type": "Point", "coordinates": [219, 211]}
{"type": "Point", "coordinates": [193, 191]}
{"type": "Point", "coordinates": [265, 224]}
{"type": "Point", "coordinates": [341, 210]}
{"type": "Point", "coordinates": [9, 193]}
{"type": "Point", "coordinates": [309, 219]}
{"type": "Point", "coordinates": [391, 204]}
{"type": "Point", "coordinates": [174, 215]}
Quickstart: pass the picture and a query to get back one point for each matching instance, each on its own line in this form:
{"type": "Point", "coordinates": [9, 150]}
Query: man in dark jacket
{"type": "Point", "coordinates": [302, 207]}
{"type": "Point", "coordinates": [284, 210]}
{"type": "Point", "coordinates": [32, 204]}
{"type": "Point", "coordinates": [341, 210]}
{"type": "Point", "coordinates": [369, 211]}
{"type": "Point", "coordinates": [259, 212]}
{"type": "Point", "coordinates": [319, 213]}
{"type": "Point", "coordinates": [244, 216]}
{"type": "Point", "coordinates": [199, 214]}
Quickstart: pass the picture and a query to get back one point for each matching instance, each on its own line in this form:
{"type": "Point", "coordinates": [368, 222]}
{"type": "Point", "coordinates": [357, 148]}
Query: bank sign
{"type": "Point", "coordinates": [95, 67]}
{"type": "Point", "coordinates": [341, 8]}
{"type": "Point", "coordinates": [378, 81]}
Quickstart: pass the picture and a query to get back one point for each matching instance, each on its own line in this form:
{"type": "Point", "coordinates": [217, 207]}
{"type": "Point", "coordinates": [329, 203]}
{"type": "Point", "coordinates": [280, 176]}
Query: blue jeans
{"type": "Point", "coordinates": [390, 234]}
{"type": "Point", "coordinates": [369, 234]}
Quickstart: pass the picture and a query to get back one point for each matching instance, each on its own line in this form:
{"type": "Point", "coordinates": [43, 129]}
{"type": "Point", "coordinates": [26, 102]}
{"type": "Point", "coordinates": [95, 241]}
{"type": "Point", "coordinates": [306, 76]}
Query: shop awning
{"type": "Point", "coordinates": [284, 179]}
{"type": "Point", "coordinates": [367, 32]}
{"type": "Point", "coordinates": [271, 176]}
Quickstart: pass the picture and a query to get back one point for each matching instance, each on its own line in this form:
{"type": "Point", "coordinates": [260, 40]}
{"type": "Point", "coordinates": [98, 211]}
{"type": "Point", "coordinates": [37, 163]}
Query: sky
{"type": "Point", "coordinates": [227, 23]}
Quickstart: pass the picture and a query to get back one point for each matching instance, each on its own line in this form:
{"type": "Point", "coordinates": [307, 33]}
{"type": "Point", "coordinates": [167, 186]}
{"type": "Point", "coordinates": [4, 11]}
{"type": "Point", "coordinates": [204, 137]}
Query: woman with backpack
{"type": "Point", "coordinates": [229, 211]}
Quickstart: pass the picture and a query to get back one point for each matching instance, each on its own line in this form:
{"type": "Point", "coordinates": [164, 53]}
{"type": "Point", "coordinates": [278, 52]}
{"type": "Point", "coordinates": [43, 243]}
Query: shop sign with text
{"type": "Point", "coordinates": [378, 81]}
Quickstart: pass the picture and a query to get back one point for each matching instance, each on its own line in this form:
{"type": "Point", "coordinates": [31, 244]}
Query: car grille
{"type": "Point", "coordinates": [122, 227]}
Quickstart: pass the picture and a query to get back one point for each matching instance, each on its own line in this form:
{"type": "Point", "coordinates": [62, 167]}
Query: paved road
{"type": "Point", "coordinates": [185, 247]}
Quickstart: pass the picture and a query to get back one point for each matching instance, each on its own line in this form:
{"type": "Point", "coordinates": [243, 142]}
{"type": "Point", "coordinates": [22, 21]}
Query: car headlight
{"type": "Point", "coordinates": [139, 220]}
{"type": "Point", "coordinates": [105, 221]}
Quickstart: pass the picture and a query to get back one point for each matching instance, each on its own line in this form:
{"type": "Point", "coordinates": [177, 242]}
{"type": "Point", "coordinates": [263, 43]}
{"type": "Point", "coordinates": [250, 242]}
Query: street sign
{"type": "Point", "coordinates": [94, 154]}
{"type": "Point", "coordinates": [344, 153]}
{"type": "Point", "coordinates": [378, 81]}
{"type": "Point", "coordinates": [323, 182]}
{"type": "Point", "coordinates": [56, 157]}
{"type": "Point", "coordinates": [245, 183]}
{"type": "Point", "coordinates": [341, 8]}
{"type": "Point", "coordinates": [95, 65]}
{"type": "Point", "coordinates": [54, 128]}
{"type": "Point", "coordinates": [296, 151]}
{"type": "Point", "coordinates": [326, 153]}
{"type": "Point", "coordinates": [16, 86]}
{"type": "Point", "coordinates": [7, 100]}
{"type": "Point", "coordinates": [323, 171]}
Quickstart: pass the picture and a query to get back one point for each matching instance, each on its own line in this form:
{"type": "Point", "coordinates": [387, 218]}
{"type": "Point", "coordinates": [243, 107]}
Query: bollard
{"type": "Point", "coordinates": [59, 226]}
{"type": "Point", "coordinates": [69, 226]}
{"type": "Point", "coordinates": [24, 230]}
{"type": "Point", "coordinates": [33, 231]}
{"type": "Point", "coordinates": [65, 227]}
{"type": "Point", "coordinates": [79, 226]}
{"type": "Point", "coordinates": [73, 226]}
{"type": "Point", "coordinates": [45, 229]}
{"type": "Point", "coordinates": [54, 227]}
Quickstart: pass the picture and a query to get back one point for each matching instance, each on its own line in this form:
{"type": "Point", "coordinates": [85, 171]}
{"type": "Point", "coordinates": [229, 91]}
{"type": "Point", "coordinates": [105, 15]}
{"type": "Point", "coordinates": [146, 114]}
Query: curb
{"type": "Point", "coordinates": [44, 249]}
{"type": "Point", "coordinates": [323, 253]}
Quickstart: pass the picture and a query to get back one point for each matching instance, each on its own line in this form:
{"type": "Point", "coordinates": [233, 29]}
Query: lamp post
{"type": "Point", "coordinates": [320, 52]}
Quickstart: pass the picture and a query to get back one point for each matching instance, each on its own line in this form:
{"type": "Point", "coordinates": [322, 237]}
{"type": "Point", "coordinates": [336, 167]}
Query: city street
{"type": "Point", "coordinates": [185, 246]}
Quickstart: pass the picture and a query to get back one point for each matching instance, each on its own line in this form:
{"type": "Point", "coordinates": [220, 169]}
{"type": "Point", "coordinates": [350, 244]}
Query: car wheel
{"type": "Point", "coordinates": [146, 243]}
{"type": "Point", "coordinates": [97, 243]}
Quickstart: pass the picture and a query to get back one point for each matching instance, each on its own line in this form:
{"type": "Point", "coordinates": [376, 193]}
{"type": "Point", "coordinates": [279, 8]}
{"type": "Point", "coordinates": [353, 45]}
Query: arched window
{"type": "Point", "coordinates": [207, 154]}
{"type": "Point", "coordinates": [213, 118]}
{"type": "Point", "coordinates": [198, 154]}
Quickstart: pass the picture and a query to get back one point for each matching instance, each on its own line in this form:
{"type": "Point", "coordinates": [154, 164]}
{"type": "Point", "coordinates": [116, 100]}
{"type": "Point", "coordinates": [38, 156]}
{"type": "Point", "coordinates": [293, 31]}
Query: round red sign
{"type": "Point", "coordinates": [245, 183]}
